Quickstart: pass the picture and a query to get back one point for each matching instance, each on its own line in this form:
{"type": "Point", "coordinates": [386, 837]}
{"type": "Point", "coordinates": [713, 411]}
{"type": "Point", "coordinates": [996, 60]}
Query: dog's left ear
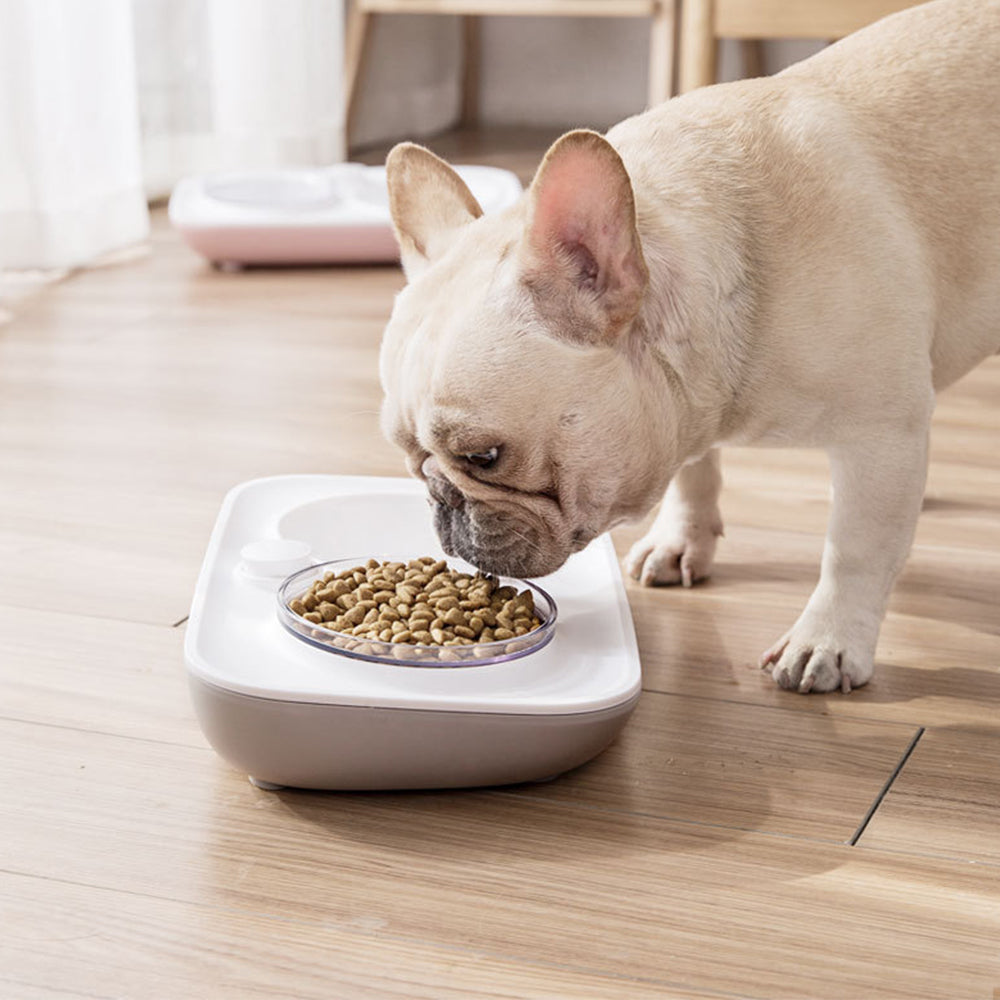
{"type": "Point", "coordinates": [428, 202]}
{"type": "Point", "coordinates": [582, 255]}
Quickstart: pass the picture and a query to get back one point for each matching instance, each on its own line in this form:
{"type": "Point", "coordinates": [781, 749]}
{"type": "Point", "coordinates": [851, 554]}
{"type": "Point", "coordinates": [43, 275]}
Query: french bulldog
{"type": "Point", "coordinates": [802, 260]}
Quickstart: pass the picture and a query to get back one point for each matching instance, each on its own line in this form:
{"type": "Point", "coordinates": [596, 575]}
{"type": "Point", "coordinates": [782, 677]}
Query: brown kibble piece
{"type": "Point", "coordinates": [355, 616]}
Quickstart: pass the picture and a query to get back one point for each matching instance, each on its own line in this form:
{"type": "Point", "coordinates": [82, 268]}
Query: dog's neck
{"type": "Point", "coordinates": [696, 321]}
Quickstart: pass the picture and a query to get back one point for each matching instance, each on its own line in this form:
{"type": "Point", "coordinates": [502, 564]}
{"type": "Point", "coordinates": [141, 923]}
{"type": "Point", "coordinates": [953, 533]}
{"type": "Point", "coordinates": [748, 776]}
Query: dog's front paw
{"type": "Point", "coordinates": [814, 656]}
{"type": "Point", "coordinates": [682, 554]}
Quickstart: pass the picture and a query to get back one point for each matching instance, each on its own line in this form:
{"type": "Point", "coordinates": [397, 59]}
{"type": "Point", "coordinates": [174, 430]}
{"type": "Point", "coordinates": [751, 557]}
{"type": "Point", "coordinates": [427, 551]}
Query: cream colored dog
{"type": "Point", "coordinates": [800, 261]}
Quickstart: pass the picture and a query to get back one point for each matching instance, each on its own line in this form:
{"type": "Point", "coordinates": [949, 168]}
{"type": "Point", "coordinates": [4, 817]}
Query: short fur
{"type": "Point", "coordinates": [802, 260]}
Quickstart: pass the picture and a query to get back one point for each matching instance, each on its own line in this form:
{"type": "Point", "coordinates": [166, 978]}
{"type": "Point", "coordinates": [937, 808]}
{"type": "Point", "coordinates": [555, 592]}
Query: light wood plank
{"type": "Point", "coordinates": [95, 674]}
{"type": "Point", "coordinates": [946, 800]}
{"type": "Point", "coordinates": [737, 765]}
{"type": "Point", "coordinates": [114, 497]}
{"type": "Point", "coordinates": [696, 760]}
{"type": "Point", "coordinates": [798, 19]}
{"type": "Point", "coordinates": [596, 892]}
{"type": "Point", "coordinates": [111, 944]}
{"type": "Point", "coordinates": [937, 651]}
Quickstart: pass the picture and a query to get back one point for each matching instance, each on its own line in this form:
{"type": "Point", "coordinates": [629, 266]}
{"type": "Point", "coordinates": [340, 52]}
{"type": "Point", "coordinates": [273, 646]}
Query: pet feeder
{"type": "Point", "coordinates": [290, 712]}
{"type": "Point", "coordinates": [334, 215]}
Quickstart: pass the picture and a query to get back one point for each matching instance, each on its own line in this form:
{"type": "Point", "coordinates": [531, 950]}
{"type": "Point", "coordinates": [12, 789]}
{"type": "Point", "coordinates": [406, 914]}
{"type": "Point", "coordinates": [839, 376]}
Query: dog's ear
{"type": "Point", "coordinates": [428, 202]}
{"type": "Point", "coordinates": [582, 257]}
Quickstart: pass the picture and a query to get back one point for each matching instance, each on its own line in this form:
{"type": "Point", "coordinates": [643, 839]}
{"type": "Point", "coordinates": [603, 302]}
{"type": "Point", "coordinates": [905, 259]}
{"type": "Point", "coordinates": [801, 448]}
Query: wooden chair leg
{"type": "Point", "coordinates": [470, 70]}
{"type": "Point", "coordinates": [662, 39]}
{"type": "Point", "coordinates": [697, 47]}
{"type": "Point", "coordinates": [355, 48]}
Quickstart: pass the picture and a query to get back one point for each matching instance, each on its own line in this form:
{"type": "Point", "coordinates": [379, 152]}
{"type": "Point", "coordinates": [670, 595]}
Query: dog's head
{"type": "Point", "coordinates": [506, 365]}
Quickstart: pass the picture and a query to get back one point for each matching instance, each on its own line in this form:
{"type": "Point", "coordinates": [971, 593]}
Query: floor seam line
{"type": "Point", "coordinates": [873, 808]}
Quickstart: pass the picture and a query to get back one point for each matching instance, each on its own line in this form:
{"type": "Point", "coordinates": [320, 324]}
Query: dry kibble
{"type": "Point", "coordinates": [355, 616]}
{"type": "Point", "coordinates": [416, 604]}
{"type": "Point", "coordinates": [453, 616]}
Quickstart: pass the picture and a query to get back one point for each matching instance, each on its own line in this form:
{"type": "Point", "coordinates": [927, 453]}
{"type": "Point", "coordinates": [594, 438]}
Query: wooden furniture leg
{"type": "Point", "coordinates": [662, 36]}
{"type": "Point", "coordinates": [355, 48]}
{"type": "Point", "coordinates": [697, 45]}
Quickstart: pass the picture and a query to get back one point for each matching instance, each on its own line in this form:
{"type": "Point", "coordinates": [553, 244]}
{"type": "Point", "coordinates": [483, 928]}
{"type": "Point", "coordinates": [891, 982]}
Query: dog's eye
{"type": "Point", "coordinates": [483, 459]}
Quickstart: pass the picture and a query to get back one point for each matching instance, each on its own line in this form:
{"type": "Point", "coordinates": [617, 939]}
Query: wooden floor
{"type": "Point", "coordinates": [736, 841]}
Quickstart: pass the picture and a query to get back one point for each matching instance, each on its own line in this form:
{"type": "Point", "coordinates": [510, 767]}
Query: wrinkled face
{"type": "Point", "coordinates": [525, 419]}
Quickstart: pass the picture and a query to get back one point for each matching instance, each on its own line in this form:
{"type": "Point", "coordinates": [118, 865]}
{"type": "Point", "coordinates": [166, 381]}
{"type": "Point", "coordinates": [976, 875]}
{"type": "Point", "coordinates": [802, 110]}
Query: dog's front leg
{"type": "Point", "coordinates": [680, 544]}
{"type": "Point", "coordinates": [877, 492]}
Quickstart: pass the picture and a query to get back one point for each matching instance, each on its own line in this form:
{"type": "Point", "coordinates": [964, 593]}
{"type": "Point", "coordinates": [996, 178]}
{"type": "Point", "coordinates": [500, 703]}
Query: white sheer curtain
{"type": "Point", "coordinates": [70, 177]}
{"type": "Point", "coordinates": [106, 102]}
{"type": "Point", "coordinates": [238, 83]}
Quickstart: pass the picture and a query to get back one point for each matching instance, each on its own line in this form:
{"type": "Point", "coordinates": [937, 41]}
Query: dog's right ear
{"type": "Point", "coordinates": [428, 201]}
{"type": "Point", "coordinates": [582, 257]}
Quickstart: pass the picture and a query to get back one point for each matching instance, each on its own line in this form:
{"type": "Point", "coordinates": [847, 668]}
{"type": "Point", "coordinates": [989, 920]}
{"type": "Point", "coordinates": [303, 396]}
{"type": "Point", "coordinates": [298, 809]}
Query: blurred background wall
{"type": "Point", "coordinates": [534, 71]}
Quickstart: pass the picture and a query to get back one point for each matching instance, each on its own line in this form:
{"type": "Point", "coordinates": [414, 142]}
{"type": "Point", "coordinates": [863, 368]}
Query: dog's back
{"type": "Point", "coordinates": [867, 173]}
{"type": "Point", "coordinates": [924, 88]}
